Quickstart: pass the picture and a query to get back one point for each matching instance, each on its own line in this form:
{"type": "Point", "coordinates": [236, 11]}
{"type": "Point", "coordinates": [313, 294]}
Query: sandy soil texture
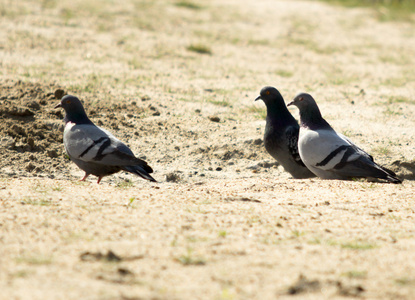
{"type": "Point", "coordinates": [176, 81]}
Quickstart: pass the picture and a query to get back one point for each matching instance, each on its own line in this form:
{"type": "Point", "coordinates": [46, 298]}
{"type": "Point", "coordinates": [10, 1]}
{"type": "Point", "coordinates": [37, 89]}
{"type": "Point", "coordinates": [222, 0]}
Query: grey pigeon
{"type": "Point", "coordinates": [281, 134]}
{"type": "Point", "coordinates": [95, 150]}
{"type": "Point", "coordinates": [330, 155]}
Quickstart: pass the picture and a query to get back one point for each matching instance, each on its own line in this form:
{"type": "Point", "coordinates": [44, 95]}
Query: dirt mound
{"type": "Point", "coordinates": [30, 129]}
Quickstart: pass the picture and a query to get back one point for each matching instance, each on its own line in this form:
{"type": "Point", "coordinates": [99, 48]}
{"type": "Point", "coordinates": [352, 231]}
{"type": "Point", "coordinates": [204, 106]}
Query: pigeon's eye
{"type": "Point", "coordinates": [267, 93]}
{"type": "Point", "coordinates": [68, 101]}
{"type": "Point", "coordinates": [301, 99]}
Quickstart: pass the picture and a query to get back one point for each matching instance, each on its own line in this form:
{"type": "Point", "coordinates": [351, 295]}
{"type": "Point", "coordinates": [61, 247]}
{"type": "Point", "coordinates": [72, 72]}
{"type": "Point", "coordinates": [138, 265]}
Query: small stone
{"type": "Point", "coordinates": [198, 111]}
{"type": "Point", "coordinates": [59, 93]}
{"type": "Point", "coordinates": [52, 153]}
{"type": "Point", "coordinates": [173, 177]}
{"type": "Point", "coordinates": [31, 142]}
{"type": "Point", "coordinates": [218, 169]}
{"type": "Point", "coordinates": [214, 119]}
{"type": "Point", "coordinates": [30, 167]}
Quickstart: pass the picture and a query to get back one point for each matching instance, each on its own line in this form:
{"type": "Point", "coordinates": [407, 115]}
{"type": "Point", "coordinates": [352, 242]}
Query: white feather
{"type": "Point", "coordinates": [319, 144]}
{"type": "Point", "coordinates": [78, 138]}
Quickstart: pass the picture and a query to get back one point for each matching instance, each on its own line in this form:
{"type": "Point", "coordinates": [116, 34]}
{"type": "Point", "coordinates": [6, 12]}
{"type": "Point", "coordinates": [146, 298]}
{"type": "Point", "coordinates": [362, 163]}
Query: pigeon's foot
{"type": "Point", "coordinates": [85, 177]}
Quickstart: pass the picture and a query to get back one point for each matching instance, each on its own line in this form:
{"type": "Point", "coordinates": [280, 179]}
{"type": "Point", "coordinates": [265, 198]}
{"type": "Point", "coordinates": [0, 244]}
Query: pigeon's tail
{"type": "Point", "coordinates": [141, 170]}
{"type": "Point", "coordinates": [389, 175]}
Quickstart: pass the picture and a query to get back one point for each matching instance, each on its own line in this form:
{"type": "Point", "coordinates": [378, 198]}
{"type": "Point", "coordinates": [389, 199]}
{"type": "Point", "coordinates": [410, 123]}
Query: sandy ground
{"type": "Point", "coordinates": [225, 221]}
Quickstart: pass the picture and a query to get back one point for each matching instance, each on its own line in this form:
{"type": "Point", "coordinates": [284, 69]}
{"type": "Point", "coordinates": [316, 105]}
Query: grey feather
{"type": "Point", "coordinates": [96, 150]}
{"type": "Point", "coordinates": [330, 155]}
{"type": "Point", "coordinates": [281, 134]}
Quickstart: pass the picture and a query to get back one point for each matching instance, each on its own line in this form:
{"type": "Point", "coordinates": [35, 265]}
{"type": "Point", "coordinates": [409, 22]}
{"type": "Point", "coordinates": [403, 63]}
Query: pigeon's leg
{"type": "Point", "coordinates": [99, 179]}
{"type": "Point", "coordinates": [85, 177]}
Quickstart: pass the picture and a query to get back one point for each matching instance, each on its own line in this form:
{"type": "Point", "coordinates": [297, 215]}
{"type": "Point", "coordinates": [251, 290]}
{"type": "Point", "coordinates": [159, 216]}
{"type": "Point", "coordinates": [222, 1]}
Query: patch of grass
{"type": "Point", "coordinates": [222, 233]}
{"type": "Point", "coordinates": [382, 150]}
{"type": "Point", "coordinates": [22, 274]}
{"type": "Point", "coordinates": [223, 103]}
{"type": "Point", "coordinates": [48, 4]}
{"type": "Point", "coordinates": [260, 113]}
{"type": "Point", "coordinates": [357, 245]}
{"type": "Point", "coordinates": [188, 4]}
{"type": "Point", "coordinates": [284, 73]}
{"type": "Point", "coordinates": [199, 48]}
{"type": "Point", "coordinates": [391, 112]}
{"type": "Point", "coordinates": [225, 294]}
{"type": "Point", "coordinates": [297, 233]}
{"type": "Point", "coordinates": [397, 60]}
{"type": "Point", "coordinates": [356, 274]}
{"type": "Point", "coordinates": [125, 184]}
{"type": "Point", "coordinates": [353, 245]}
{"type": "Point", "coordinates": [35, 260]}
{"type": "Point", "coordinates": [386, 10]}
{"type": "Point", "coordinates": [400, 99]}
{"type": "Point", "coordinates": [189, 259]}
{"type": "Point", "coordinates": [57, 188]}
{"type": "Point", "coordinates": [38, 202]}
{"type": "Point", "coordinates": [405, 281]}
{"type": "Point", "coordinates": [135, 64]}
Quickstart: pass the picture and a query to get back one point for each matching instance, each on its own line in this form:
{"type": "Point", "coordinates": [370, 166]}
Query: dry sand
{"type": "Point", "coordinates": [225, 221]}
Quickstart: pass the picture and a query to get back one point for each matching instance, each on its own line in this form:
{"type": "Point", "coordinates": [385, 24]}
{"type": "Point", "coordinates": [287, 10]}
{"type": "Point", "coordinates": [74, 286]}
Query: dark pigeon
{"type": "Point", "coordinates": [95, 150]}
{"type": "Point", "coordinates": [330, 155]}
{"type": "Point", "coordinates": [281, 134]}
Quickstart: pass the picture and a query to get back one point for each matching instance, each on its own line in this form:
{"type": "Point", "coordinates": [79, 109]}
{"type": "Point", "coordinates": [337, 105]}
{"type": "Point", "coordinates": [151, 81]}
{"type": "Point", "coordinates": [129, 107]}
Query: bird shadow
{"type": "Point", "coordinates": [405, 170]}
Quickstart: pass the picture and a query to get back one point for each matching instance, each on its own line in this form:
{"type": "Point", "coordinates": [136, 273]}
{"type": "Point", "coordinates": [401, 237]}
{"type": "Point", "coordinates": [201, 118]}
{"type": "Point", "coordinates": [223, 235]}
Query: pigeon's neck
{"type": "Point", "coordinates": [278, 113]}
{"type": "Point", "coordinates": [77, 118]}
{"type": "Point", "coordinates": [311, 118]}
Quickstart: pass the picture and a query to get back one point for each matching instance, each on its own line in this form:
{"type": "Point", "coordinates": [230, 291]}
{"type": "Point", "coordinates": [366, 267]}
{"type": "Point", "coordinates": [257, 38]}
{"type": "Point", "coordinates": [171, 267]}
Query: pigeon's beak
{"type": "Point", "coordinates": [291, 103]}
{"type": "Point", "coordinates": [258, 98]}
{"type": "Point", "coordinates": [57, 106]}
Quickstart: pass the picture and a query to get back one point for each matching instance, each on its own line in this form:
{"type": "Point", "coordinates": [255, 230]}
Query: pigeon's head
{"type": "Point", "coordinates": [70, 104]}
{"type": "Point", "coordinates": [270, 95]}
{"type": "Point", "coordinates": [303, 101]}
{"type": "Point", "coordinates": [74, 109]}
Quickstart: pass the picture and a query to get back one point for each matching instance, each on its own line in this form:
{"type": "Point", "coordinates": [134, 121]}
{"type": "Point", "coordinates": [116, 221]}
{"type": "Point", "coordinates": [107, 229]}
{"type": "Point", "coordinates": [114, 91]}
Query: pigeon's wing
{"type": "Point", "coordinates": [90, 143]}
{"type": "Point", "coordinates": [357, 148]}
{"type": "Point", "coordinates": [334, 153]}
{"type": "Point", "coordinates": [291, 134]}
{"type": "Point", "coordinates": [325, 149]}
{"type": "Point", "coordinates": [367, 155]}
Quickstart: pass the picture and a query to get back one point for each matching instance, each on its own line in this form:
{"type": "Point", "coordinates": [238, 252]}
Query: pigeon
{"type": "Point", "coordinates": [330, 155]}
{"type": "Point", "coordinates": [281, 134]}
{"type": "Point", "coordinates": [95, 150]}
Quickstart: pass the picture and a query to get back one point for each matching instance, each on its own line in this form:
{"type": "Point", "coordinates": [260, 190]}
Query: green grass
{"type": "Point", "coordinates": [382, 150]}
{"type": "Point", "coordinates": [284, 73]}
{"type": "Point", "coordinates": [125, 184]}
{"type": "Point", "coordinates": [357, 245]}
{"type": "Point", "coordinates": [188, 4]}
{"type": "Point", "coordinates": [405, 281]}
{"type": "Point", "coordinates": [260, 113]}
{"type": "Point", "coordinates": [37, 202]}
{"type": "Point", "coordinates": [222, 233]}
{"type": "Point", "coordinates": [35, 260]}
{"type": "Point", "coordinates": [223, 103]}
{"type": "Point", "coordinates": [400, 99]}
{"type": "Point", "coordinates": [199, 48]}
{"type": "Point", "coordinates": [386, 10]}
{"type": "Point", "coordinates": [189, 259]}
{"type": "Point", "coordinates": [356, 274]}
